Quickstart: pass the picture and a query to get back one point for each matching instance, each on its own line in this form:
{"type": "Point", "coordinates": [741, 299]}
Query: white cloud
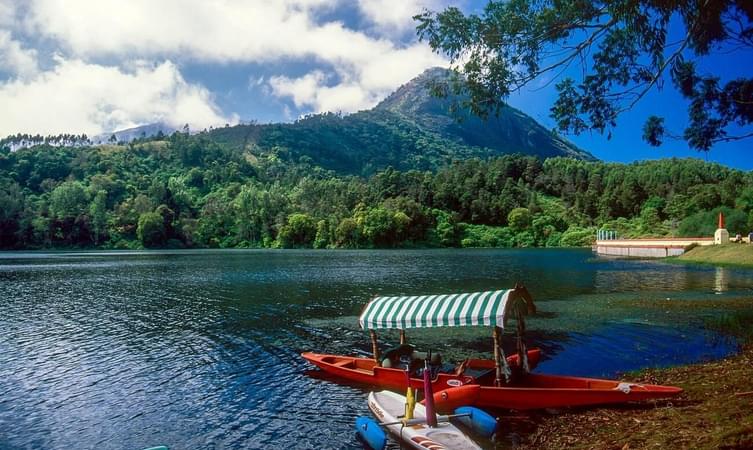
{"type": "Point", "coordinates": [361, 85]}
{"type": "Point", "coordinates": [396, 16]}
{"type": "Point", "coordinates": [311, 91]}
{"type": "Point", "coordinates": [222, 30]}
{"type": "Point", "coordinates": [7, 13]}
{"type": "Point", "coordinates": [81, 97]}
{"type": "Point", "coordinates": [80, 94]}
{"type": "Point", "coordinates": [258, 31]}
{"type": "Point", "coordinates": [18, 61]}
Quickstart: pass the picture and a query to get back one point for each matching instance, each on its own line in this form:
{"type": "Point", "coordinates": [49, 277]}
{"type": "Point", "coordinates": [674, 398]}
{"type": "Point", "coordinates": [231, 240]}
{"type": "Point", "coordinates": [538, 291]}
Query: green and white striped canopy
{"type": "Point", "coordinates": [488, 308]}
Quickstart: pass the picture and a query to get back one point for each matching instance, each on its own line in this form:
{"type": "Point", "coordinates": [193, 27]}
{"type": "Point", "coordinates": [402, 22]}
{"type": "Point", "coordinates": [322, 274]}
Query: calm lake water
{"type": "Point", "coordinates": [200, 349]}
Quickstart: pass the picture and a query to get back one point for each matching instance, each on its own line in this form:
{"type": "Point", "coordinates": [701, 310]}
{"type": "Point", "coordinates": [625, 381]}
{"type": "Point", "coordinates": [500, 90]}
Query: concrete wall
{"type": "Point", "coordinates": [668, 242]}
{"type": "Point", "coordinates": [639, 251]}
{"type": "Point", "coordinates": [648, 248]}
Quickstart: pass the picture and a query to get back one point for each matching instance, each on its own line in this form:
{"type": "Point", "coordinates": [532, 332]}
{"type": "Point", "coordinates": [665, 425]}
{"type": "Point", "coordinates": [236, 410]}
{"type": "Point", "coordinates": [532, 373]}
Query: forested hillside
{"type": "Point", "coordinates": [196, 191]}
{"type": "Point", "coordinates": [411, 129]}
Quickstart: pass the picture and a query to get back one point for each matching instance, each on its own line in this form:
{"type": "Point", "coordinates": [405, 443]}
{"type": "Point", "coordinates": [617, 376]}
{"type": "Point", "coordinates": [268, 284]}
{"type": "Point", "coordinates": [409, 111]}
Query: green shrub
{"type": "Point", "coordinates": [151, 230]}
{"type": "Point", "coordinates": [704, 223]}
{"type": "Point", "coordinates": [578, 237]}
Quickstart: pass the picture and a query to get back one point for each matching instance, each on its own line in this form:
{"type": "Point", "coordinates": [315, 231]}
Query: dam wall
{"type": "Point", "coordinates": [647, 248]}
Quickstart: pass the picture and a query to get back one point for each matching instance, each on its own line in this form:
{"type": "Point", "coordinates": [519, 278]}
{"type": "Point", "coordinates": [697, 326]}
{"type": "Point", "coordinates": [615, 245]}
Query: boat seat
{"type": "Point", "coordinates": [398, 357]}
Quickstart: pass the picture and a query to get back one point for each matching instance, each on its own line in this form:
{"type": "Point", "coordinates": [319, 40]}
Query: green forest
{"type": "Point", "coordinates": [191, 191]}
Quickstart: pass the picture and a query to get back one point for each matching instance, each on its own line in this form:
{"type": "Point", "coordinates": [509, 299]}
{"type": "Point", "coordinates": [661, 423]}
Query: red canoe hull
{"type": "Point", "coordinates": [364, 370]}
{"type": "Point", "coordinates": [551, 391]}
{"type": "Point", "coordinates": [531, 391]}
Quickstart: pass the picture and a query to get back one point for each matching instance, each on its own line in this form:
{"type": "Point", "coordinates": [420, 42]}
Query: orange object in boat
{"type": "Point", "coordinates": [449, 400]}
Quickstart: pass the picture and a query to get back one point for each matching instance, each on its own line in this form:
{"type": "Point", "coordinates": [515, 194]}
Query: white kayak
{"type": "Point", "coordinates": [389, 407]}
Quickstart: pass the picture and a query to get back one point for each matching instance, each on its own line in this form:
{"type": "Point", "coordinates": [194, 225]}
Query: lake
{"type": "Point", "coordinates": [200, 349]}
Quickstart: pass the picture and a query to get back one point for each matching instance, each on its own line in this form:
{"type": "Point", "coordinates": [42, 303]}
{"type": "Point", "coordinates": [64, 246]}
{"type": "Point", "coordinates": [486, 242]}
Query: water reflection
{"type": "Point", "coordinates": [721, 279]}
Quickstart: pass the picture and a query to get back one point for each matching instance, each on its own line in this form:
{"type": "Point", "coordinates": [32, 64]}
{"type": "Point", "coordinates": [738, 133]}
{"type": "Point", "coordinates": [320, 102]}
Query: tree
{"type": "Point", "coordinates": [625, 50]}
{"type": "Point", "coordinates": [11, 205]}
{"type": "Point", "coordinates": [348, 233]}
{"type": "Point", "coordinates": [704, 223]}
{"type": "Point", "coordinates": [300, 231]}
{"type": "Point", "coordinates": [98, 213]}
{"type": "Point", "coordinates": [382, 227]}
{"type": "Point", "coordinates": [151, 230]}
{"type": "Point", "coordinates": [519, 219]}
{"type": "Point", "coordinates": [68, 200]}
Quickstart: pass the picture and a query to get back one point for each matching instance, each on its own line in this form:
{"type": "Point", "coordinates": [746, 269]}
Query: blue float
{"type": "Point", "coordinates": [477, 420]}
{"type": "Point", "coordinates": [371, 433]}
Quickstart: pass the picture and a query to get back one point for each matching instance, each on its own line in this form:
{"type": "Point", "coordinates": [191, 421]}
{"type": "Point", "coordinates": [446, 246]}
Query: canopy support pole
{"type": "Point", "coordinates": [375, 348]}
{"type": "Point", "coordinates": [402, 337]}
{"type": "Point", "coordinates": [500, 362]}
{"type": "Point", "coordinates": [497, 362]}
{"type": "Point", "coordinates": [521, 345]}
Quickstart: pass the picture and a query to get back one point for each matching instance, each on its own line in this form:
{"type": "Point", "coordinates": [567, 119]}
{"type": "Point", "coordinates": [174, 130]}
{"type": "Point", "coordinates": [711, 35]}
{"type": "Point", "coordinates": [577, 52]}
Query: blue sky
{"type": "Point", "coordinates": [94, 66]}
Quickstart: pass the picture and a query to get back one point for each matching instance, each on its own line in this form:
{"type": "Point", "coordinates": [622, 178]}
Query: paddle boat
{"type": "Point", "coordinates": [418, 425]}
{"type": "Point", "coordinates": [504, 382]}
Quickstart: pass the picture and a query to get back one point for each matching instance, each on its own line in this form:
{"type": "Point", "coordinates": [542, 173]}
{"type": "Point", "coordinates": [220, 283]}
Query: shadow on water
{"type": "Point", "coordinates": [200, 349]}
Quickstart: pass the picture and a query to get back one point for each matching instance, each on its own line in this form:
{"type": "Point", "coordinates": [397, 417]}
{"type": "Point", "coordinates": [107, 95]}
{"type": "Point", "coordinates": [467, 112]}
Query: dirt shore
{"type": "Point", "coordinates": [714, 412]}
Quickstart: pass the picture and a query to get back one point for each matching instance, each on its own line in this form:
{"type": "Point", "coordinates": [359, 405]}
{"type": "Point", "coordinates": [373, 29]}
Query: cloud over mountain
{"type": "Point", "coordinates": [318, 55]}
{"type": "Point", "coordinates": [75, 96]}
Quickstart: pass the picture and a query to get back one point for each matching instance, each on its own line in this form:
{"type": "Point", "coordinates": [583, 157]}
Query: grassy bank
{"type": "Point", "coordinates": [733, 254]}
{"type": "Point", "coordinates": [710, 414]}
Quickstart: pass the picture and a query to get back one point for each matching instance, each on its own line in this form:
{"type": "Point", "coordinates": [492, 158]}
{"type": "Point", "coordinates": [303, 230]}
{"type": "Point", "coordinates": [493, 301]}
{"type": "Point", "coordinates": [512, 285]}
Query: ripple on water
{"type": "Point", "coordinates": [201, 349]}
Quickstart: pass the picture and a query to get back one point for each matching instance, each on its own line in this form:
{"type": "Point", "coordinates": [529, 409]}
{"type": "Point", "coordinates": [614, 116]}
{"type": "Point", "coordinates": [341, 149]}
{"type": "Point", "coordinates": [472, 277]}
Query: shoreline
{"type": "Point", "coordinates": [714, 411]}
{"type": "Point", "coordinates": [731, 255]}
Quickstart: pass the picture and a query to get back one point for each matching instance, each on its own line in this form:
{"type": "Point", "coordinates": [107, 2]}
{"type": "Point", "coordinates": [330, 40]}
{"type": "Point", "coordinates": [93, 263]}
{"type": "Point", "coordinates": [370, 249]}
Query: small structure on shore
{"type": "Point", "coordinates": [721, 235]}
{"type": "Point", "coordinates": [608, 243]}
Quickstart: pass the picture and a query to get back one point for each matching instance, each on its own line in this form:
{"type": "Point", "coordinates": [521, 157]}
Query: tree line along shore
{"type": "Point", "coordinates": [189, 191]}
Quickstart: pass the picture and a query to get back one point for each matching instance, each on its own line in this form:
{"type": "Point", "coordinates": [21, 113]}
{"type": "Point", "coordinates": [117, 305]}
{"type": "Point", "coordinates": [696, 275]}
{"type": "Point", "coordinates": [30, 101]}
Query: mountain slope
{"type": "Point", "coordinates": [408, 130]}
{"type": "Point", "coordinates": [509, 132]}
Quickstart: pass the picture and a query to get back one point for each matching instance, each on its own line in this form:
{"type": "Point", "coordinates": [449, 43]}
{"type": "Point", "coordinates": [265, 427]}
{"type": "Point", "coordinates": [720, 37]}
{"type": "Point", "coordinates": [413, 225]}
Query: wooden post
{"type": "Point", "coordinates": [402, 337]}
{"type": "Point", "coordinates": [497, 334]}
{"type": "Point", "coordinates": [375, 348]}
{"type": "Point", "coordinates": [520, 344]}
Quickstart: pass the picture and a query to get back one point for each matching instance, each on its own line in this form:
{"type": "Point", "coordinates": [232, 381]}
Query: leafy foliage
{"type": "Point", "coordinates": [625, 49]}
{"type": "Point", "coordinates": [192, 191]}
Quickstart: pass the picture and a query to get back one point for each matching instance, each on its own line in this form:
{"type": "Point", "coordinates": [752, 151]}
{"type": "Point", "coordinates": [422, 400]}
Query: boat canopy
{"type": "Point", "coordinates": [489, 308]}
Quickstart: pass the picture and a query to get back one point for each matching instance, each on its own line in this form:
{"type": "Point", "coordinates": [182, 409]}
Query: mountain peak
{"type": "Point", "coordinates": [415, 91]}
{"type": "Point", "coordinates": [410, 129]}
{"type": "Point", "coordinates": [510, 131]}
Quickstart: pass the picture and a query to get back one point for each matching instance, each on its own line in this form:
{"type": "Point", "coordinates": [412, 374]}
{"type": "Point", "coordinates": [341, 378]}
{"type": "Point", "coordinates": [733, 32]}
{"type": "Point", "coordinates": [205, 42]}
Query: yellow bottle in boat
{"type": "Point", "coordinates": [410, 404]}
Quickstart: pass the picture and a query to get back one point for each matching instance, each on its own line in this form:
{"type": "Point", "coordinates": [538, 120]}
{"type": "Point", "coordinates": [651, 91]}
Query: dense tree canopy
{"type": "Point", "coordinates": [624, 48]}
{"type": "Point", "coordinates": [190, 191]}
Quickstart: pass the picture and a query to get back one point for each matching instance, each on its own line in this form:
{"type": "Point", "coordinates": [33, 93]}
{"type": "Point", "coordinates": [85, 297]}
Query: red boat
{"type": "Point", "coordinates": [366, 371]}
{"type": "Point", "coordinates": [505, 382]}
{"type": "Point", "coordinates": [549, 391]}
